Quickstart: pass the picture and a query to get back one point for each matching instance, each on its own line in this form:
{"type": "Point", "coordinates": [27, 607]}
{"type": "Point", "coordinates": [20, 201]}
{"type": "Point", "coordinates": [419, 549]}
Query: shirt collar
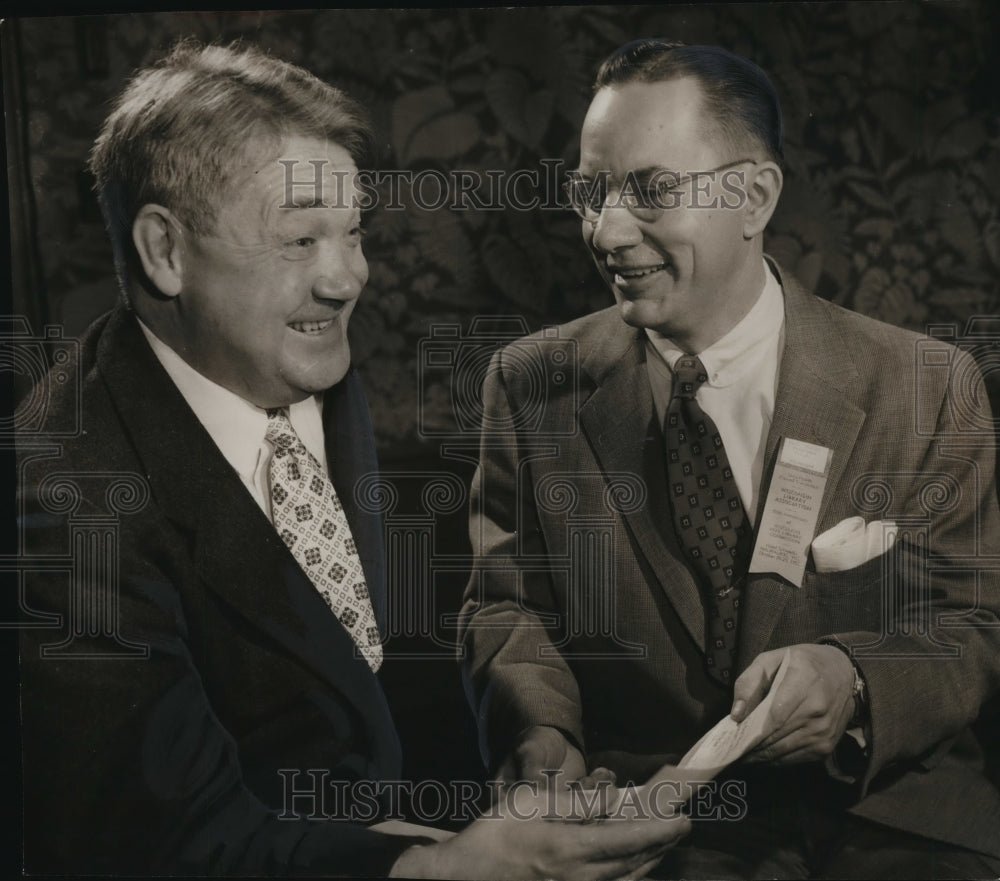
{"type": "Point", "coordinates": [235, 425]}
{"type": "Point", "coordinates": [725, 359]}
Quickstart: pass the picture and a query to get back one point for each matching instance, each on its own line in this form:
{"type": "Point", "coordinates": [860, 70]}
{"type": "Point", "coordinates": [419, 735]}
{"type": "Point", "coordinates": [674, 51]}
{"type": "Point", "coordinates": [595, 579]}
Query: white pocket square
{"type": "Point", "coordinates": [851, 543]}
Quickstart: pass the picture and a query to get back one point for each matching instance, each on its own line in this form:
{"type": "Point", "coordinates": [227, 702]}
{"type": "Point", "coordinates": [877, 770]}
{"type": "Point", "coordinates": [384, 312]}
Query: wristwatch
{"type": "Point", "coordinates": [860, 695]}
{"type": "Point", "coordinates": [859, 691]}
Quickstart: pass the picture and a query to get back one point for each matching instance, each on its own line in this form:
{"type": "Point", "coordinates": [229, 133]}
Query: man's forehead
{"type": "Point", "coordinates": [653, 124]}
{"type": "Point", "coordinates": [301, 172]}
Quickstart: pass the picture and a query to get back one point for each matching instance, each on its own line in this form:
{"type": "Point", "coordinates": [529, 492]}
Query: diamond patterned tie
{"type": "Point", "coordinates": [310, 519]}
{"type": "Point", "coordinates": [708, 513]}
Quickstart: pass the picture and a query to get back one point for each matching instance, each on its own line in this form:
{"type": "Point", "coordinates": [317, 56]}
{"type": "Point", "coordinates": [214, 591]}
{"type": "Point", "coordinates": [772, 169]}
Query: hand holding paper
{"type": "Point", "coordinates": [811, 703]}
{"type": "Point", "coordinates": [721, 746]}
{"type": "Point", "coordinates": [730, 739]}
{"type": "Point", "coordinates": [790, 705]}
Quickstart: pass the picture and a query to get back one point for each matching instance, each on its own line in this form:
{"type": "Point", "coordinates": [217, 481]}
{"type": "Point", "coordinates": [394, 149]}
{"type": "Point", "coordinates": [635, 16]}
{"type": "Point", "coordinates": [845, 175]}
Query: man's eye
{"type": "Point", "coordinates": [648, 196]}
{"type": "Point", "coordinates": [662, 194]}
{"type": "Point", "coordinates": [304, 242]}
{"type": "Point", "coordinates": [358, 233]}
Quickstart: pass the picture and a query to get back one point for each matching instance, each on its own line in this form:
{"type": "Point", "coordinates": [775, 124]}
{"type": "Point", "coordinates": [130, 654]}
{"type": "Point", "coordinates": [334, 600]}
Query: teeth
{"type": "Point", "coordinates": [638, 273]}
{"type": "Point", "coordinates": [311, 326]}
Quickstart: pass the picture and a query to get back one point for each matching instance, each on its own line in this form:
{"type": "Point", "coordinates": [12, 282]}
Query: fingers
{"type": "Point", "coordinates": [663, 795]}
{"type": "Point", "coordinates": [784, 753]}
{"type": "Point", "coordinates": [808, 713]}
{"type": "Point", "coordinates": [630, 868]}
{"type": "Point", "coordinates": [639, 840]}
{"type": "Point", "coordinates": [684, 780]}
{"type": "Point", "coordinates": [509, 770]}
{"type": "Point", "coordinates": [544, 844]}
{"type": "Point", "coordinates": [587, 804]}
{"type": "Point", "coordinates": [802, 754]}
{"type": "Point", "coordinates": [532, 757]}
{"type": "Point", "coordinates": [816, 737]}
{"type": "Point", "coordinates": [598, 777]}
{"type": "Point", "coordinates": [544, 751]}
{"type": "Point", "coordinates": [753, 683]}
{"type": "Point", "coordinates": [642, 871]}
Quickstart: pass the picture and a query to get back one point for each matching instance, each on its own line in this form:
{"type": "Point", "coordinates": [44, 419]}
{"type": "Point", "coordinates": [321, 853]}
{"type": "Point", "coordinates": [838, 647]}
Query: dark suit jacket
{"type": "Point", "coordinates": [153, 739]}
{"type": "Point", "coordinates": [576, 549]}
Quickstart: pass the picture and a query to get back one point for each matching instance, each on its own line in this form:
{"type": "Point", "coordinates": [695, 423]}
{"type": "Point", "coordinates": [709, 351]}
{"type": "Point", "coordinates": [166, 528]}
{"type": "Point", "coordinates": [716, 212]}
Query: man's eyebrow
{"type": "Point", "coordinates": [305, 202]}
{"type": "Point", "coordinates": [655, 171]}
{"type": "Point", "coordinates": [635, 173]}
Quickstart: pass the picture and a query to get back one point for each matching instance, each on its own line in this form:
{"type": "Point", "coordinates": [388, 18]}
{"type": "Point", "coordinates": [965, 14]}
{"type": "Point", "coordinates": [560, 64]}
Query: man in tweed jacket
{"type": "Point", "coordinates": [585, 620]}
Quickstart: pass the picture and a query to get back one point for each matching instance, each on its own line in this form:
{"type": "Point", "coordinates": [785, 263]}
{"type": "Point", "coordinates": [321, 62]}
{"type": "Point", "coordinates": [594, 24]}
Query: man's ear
{"type": "Point", "coordinates": [763, 190]}
{"type": "Point", "coordinates": [157, 241]}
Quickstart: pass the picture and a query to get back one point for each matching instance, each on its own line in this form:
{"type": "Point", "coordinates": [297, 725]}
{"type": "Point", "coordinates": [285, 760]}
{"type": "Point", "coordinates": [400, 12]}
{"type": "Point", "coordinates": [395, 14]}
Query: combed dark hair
{"type": "Point", "coordinates": [738, 94]}
{"type": "Point", "coordinates": [181, 132]}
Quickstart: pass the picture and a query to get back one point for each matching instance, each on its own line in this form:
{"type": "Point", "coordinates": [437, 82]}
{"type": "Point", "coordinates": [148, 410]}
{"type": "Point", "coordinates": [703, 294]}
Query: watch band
{"type": "Point", "coordinates": [859, 691]}
{"type": "Point", "coordinates": [860, 694]}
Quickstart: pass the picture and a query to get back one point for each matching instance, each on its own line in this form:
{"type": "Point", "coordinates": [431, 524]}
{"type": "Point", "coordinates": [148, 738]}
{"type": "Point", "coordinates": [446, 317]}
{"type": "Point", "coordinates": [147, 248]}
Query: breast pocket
{"type": "Point", "coordinates": [853, 599]}
{"type": "Point", "coordinates": [857, 579]}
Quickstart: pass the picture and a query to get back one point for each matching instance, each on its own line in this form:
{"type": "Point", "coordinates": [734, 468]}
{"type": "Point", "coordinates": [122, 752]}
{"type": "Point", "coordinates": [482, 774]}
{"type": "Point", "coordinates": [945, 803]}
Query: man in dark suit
{"type": "Point", "coordinates": [203, 594]}
{"type": "Point", "coordinates": [652, 480]}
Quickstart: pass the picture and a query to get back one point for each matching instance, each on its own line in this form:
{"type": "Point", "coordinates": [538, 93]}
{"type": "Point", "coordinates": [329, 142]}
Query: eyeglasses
{"type": "Point", "coordinates": [646, 196]}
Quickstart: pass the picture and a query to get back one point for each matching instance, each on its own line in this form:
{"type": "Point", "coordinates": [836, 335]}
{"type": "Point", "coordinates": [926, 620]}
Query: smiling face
{"type": "Point", "coordinates": [265, 299]}
{"type": "Point", "coordinates": [692, 270]}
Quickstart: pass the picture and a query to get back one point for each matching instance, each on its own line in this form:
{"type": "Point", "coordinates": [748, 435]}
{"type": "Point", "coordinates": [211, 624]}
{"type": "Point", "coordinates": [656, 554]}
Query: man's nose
{"type": "Point", "coordinates": [340, 276]}
{"type": "Point", "coordinates": [615, 227]}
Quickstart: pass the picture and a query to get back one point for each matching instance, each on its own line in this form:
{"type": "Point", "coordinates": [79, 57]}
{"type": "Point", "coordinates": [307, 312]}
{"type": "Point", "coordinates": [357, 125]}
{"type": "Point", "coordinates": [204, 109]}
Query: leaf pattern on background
{"type": "Point", "coordinates": [891, 203]}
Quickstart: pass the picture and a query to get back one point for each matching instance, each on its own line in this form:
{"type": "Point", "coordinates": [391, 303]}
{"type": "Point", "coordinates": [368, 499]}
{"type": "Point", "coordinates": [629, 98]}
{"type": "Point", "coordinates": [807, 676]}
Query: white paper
{"type": "Point", "coordinates": [728, 740]}
{"type": "Point", "coordinates": [720, 746]}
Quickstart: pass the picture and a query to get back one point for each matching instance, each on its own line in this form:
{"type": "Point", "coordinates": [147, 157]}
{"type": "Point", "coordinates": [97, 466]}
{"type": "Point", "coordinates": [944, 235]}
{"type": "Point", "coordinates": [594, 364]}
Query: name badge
{"type": "Point", "coordinates": [791, 509]}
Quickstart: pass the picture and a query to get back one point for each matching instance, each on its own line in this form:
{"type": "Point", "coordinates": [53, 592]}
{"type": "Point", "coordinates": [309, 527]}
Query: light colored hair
{"type": "Point", "coordinates": [181, 133]}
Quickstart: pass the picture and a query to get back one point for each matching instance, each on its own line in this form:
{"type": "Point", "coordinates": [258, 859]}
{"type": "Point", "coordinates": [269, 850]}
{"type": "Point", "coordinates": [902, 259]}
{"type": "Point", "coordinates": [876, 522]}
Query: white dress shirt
{"type": "Point", "coordinates": [236, 425]}
{"type": "Point", "coordinates": [742, 370]}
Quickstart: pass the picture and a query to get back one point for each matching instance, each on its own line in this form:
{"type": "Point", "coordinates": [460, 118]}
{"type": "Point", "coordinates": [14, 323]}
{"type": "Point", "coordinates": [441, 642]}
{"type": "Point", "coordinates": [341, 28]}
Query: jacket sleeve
{"type": "Point", "coordinates": [510, 618]}
{"type": "Point", "coordinates": [127, 768]}
{"type": "Point", "coordinates": [937, 659]}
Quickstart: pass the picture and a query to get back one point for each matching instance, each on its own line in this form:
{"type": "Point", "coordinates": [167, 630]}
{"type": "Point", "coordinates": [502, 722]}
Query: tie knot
{"type": "Point", "coordinates": [689, 374]}
{"type": "Point", "coordinates": [279, 429]}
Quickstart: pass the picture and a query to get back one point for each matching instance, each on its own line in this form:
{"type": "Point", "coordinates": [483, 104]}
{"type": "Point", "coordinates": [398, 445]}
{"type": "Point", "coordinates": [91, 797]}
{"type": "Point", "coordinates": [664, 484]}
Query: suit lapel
{"type": "Point", "coordinates": [618, 421]}
{"type": "Point", "coordinates": [812, 404]}
{"type": "Point", "coordinates": [238, 553]}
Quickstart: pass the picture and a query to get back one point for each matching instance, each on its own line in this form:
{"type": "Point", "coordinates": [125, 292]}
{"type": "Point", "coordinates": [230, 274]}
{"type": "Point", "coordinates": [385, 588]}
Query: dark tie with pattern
{"type": "Point", "coordinates": [310, 519]}
{"type": "Point", "coordinates": [708, 513]}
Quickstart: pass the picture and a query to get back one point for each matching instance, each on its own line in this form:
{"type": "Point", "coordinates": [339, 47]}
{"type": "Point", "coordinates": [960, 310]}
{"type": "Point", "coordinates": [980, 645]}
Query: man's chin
{"type": "Point", "coordinates": [641, 314]}
{"type": "Point", "coordinates": [299, 387]}
{"type": "Point", "coordinates": [318, 382]}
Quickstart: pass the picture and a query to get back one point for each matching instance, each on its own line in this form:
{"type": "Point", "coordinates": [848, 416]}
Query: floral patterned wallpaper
{"type": "Point", "coordinates": [891, 204]}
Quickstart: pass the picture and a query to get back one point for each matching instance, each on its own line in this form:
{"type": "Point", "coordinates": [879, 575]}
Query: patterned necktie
{"type": "Point", "coordinates": [708, 513]}
{"type": "Point", "coordinates": [310, 519]}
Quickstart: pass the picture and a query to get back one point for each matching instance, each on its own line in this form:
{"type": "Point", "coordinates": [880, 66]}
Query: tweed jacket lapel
{"type": "Point", "coordinates": [813, 404]}
{"type": "Point", "coordinates": [237, 551]}
{"type": "Point", "coordinates": [618, 420]}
